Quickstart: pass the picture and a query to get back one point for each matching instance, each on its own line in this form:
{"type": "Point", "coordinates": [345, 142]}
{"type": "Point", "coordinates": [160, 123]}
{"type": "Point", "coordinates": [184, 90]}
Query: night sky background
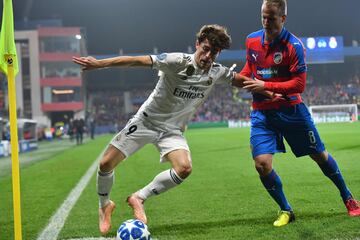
{"type": "Point", "coordinates": [140, 25]}
{"type": "Point", "coordinates": [137, 26]}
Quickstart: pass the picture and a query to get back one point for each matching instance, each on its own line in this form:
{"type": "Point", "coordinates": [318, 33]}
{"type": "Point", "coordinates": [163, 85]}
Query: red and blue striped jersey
{"type": "Point", "coordinates": [281, 64]}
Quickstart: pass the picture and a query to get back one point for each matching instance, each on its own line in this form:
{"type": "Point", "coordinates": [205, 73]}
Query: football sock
{"type": "Point", "coordinates": [332, 171]}
{"type": "Point", "coordinates": [161, 183]}
{"type": "Point", "coordinates": [104, 184]}
{"type": "Point", "coordinates": [273, 185]}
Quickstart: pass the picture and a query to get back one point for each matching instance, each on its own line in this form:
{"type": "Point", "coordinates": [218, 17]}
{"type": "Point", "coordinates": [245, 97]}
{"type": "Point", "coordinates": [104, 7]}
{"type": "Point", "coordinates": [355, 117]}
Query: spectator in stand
{"type": "Point", "coordinates": [79, 127]}
{"type": "Point", "coordinates": [71, 130]}
{"type": "Point", "coordinates": [92, 127]}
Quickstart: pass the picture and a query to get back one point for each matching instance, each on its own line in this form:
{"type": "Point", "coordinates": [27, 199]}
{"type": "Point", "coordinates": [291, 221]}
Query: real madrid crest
{"type": "Point", "coordinates": [190, 70]}
{"type": "Point", "coordinates": [278, 57]}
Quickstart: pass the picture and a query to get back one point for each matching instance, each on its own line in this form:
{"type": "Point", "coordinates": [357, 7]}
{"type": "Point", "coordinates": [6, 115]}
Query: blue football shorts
{"type": "Point", "coordinates": [294, 123]}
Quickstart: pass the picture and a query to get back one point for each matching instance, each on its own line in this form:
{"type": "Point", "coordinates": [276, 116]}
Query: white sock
{"type": "Point", "coordinates": [161, 183]}
{"type": "Point", "coordinates": [104, 184]}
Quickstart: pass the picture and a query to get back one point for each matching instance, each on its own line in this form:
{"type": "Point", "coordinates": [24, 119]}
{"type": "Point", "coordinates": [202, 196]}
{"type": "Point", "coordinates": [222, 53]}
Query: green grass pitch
{"type": "Point", "coordinates": [222, 199]}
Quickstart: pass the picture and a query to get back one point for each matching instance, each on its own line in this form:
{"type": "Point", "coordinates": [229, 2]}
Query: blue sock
{"type": "Point", "coordinates": [273, 185]}
{"type": "Point", "coordinates": [332, 171]}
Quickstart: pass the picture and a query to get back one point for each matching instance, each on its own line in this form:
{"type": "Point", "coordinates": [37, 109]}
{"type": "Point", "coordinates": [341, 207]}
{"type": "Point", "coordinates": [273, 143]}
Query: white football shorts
{"type": "Point", "coordinates": [137, 133]}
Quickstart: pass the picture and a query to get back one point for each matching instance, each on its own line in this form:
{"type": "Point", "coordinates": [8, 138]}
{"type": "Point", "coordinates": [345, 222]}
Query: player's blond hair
{"type": "Point", "coordinates": [281, 4]}
{"type": "Point", "coordinates": [217, 36]}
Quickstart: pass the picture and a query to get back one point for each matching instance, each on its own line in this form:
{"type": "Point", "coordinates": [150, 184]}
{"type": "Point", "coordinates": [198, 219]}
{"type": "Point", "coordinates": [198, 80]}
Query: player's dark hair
{"type": "Point", "coordinates": [281, 4]}
{"type": "Point", "coordinates": [217, 36]}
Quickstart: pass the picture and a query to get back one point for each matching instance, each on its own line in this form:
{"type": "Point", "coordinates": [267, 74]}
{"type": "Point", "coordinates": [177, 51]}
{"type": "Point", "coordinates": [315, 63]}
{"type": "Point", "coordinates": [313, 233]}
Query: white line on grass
{"type": "Point", "coordinates": [57, 221]}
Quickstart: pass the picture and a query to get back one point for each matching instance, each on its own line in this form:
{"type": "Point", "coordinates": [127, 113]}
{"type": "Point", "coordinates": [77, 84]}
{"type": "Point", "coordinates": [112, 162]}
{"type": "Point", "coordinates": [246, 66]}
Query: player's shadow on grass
{"type": "Point", "coordinates": [189, 228]}
{"type": "Point", "coordinates": [203, 227]}
{"type": "Point", "coordinates": [348, 147]}
{"type": "Point", "coordinates": [217, 150]}
{"type": "Point", "coordinates": [318, 215]}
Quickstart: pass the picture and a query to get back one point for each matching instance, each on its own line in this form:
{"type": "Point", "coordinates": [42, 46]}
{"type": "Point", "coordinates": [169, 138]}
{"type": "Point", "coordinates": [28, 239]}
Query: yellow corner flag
{"type": "Point", "coordinates": [9, 65]}
{"type": "Point", "coordinates": [7, 43]}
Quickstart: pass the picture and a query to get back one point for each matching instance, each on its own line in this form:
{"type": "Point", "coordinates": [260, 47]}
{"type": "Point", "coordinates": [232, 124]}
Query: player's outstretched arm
{"type": "Point", "coordinates": [89, 63]}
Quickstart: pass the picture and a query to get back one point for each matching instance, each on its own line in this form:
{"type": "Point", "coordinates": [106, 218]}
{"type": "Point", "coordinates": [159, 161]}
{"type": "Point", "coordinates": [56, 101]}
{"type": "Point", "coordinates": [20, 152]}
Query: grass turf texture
{"type": "Point", "coordinates": [222, 199]}
{"type": "Point", "coordinates": [44, 186]}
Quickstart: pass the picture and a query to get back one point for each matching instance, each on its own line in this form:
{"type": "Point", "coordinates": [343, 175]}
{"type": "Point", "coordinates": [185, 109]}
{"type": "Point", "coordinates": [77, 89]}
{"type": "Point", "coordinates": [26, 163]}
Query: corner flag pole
{"type": "Point", "coordinates": [8, 65]}
{"type": "Point", "coordinates": [14, 150]}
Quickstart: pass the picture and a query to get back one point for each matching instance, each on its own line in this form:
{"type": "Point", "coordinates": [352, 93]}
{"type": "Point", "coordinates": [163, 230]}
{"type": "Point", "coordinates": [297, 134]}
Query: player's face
{"type": "Point", "coordinates": [272, 20]}
{"type": "Point", "coordinates": [205, 54]}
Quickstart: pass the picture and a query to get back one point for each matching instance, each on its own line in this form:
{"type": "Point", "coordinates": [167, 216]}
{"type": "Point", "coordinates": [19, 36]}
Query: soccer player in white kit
{"type": "Point", "coordinates": [185, 82]}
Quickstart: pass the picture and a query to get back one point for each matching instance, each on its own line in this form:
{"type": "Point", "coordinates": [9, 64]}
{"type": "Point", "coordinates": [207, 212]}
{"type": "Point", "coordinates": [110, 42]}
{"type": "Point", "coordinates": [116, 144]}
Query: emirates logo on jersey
{"type": "Point", "coordinates": [278, 57]}
{"type": "Point", "coordinates": [191, 93]}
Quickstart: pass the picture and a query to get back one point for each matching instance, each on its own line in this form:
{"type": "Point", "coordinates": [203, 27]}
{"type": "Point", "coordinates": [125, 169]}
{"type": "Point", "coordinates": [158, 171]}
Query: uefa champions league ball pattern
{"type": "Point", "coordinates": [133, 230]}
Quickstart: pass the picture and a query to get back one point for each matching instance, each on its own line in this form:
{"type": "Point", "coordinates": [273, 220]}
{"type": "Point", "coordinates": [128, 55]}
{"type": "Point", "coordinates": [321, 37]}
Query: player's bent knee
{"type": "Point", "coordinates": [106, 166]}
{"type": "Point", "coordinates": [263, 168]}
{"type": "Point", "coordinates": [111, 159]}
{"type": "Point", "coordinates": [181, 162]}
{"type": "Point", "coordinates": [260, 169]}
{"type": "Point", "coordinates": [319, 157]}
{"type": "Point", "coordinates": [263, 164]}
{"type": "Point", "coordinates": [184, 171]}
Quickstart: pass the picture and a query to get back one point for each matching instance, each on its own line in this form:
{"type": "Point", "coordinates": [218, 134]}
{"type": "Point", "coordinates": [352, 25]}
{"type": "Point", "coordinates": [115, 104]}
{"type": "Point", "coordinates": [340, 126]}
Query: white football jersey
{"type": "Point", "coordinates": [181, 89]}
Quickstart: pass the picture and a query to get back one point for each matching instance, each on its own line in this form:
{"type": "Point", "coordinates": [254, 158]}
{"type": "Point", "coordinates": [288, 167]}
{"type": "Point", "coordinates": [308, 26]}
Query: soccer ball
{"type": "Point", "coordinates": [133, 229]}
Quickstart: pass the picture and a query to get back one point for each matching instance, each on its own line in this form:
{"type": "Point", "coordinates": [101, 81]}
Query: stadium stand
{"type": "Point", "coordinates": [224, 103]}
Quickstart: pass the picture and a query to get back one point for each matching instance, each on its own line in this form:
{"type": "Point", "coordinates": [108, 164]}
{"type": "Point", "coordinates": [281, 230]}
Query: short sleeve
{"type": "Point", "coordinates": [167, 62]}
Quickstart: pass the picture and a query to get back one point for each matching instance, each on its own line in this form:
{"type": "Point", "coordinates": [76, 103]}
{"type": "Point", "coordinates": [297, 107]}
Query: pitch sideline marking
{"type": "Point", "coordinates": [57, 221]}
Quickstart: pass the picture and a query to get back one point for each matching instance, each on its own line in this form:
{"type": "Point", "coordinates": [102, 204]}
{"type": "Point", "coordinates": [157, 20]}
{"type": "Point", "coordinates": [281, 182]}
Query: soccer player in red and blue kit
{"type": "Point", "coordinates": [275, 62]}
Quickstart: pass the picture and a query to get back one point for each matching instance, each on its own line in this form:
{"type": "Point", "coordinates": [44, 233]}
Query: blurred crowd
{"type": "Point", "coordinates": [224, 103]}
{"type": "Point", "coordinates": [334, 93]}
{"type": "Point", "coordinates": [107, 106]}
